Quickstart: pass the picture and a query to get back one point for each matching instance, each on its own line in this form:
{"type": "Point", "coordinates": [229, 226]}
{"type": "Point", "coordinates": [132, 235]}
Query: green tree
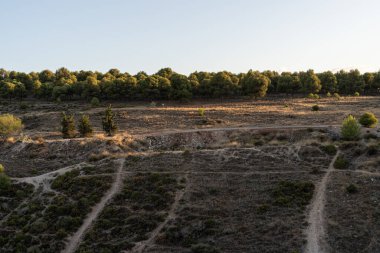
{"type": "Point", "coordinates": [181, 87]}
{"type": "Point", "coordinates": [85, 127]}
{"type": "Point", "coordinates": [68, 126]}
{"type": "Point", "coordinates": [310, 82]}
{"type": "Point", "coordinates": [288, 83]}
{"type": "Point", "coordinates": [108, 122]}
{"type": "Point", "coordinates": [255, 84]}
{"type": "Point", "coordinates": [328, 81]}
{"type": "Point", "coordinates": [350, 129]}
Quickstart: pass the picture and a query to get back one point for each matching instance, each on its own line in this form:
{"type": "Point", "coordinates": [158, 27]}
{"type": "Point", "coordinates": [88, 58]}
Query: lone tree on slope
{"type": "Point", "coordinates": [108, 122]}
{"type": "Point", "coordinates": [68, 126]}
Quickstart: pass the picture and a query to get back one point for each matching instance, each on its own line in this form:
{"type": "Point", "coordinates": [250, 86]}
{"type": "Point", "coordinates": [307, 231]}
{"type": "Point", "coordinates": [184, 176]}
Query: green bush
{"type": "Point", "coordinates": [350, 129]}
{"type": "Point", "coordinates": [313, 96]}
{"type": "Point", "coordinates": [203, 248]}
{"type": "Point", "coordinates": [1, 168]}
{"type": "Point", "coordinates": [315, 108]}
{"type": "Point", "coordinates": [201, 112]}
{"type": "Point", "coordinates": [24, 106]}
{"type": "Point", "coordinates": [10, 124]}
{"type": "Point", "coordinates": [352, 188]}
{"type": "Point", "coordinates": [297, 193]}
{"type": "Point", "coordinates": [329, 149]}
{"type": "Point", "coordinates": [328, 94]}
{"type": "Point", "coordinates": [356, 94]}
{"type": "Point", "coordinates": [5, 182]}
{"type": "Point", "coordinates": [368, 119]}
{"type": "Point", "coordinates": [341, 163]}
{"type": "Point", "coordinates": [337, 96]}
{"type": "Point", "coordinates": [95, 102]}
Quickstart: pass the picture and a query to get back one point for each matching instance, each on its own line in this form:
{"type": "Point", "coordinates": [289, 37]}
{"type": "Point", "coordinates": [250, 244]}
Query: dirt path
{"type": "Point", "coordinates": [76, 239]}
{"type": "Point", "coordinates": [44, 180]}
{"type": "Point", "coordinates": [315, 233]}
{"type": "Point", "coordinates": [140, 246]}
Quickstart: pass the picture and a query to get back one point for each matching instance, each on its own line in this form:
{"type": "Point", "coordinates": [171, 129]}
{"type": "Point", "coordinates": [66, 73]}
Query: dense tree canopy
{"type": "Point", "coordinates": [64, 84]}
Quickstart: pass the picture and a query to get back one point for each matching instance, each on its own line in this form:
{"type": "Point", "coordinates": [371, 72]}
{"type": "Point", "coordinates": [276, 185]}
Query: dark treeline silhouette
{"type": "Point", "coordinates": [169, 85]}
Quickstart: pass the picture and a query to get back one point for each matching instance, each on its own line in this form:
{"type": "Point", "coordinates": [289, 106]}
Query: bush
{"type": "Point", "coordinates": [372, 150]}
{"type": "Point", "coordinates": [337, 96]}
{"type": "Point", "coordinates": [24, 106]}
{"type": "Point", "coordinates": [95, 102]}
{"type": "Point", "coordinates": [341, 163]}
{"type": "Point", "coordinates": [329, 149]}
{"type": "Point", "coordinates": [84, 126]}
{"type": "Point", "coordinates": [203, 248]}
{"type": "Point", "coordinates": [1, 168]}
{"type": "Point", "coordinates": [109, 125]}
{"type": "Point", "coordinates": [352, 188]}
{"type": "Point", "coordinates": [328, 94]}
{"type": "Point", "coordinates": [350, 129]}
{"type": "Point", "coordinates": [368, 119]}
{"type": "Point", "coordinates": [68, 126]}
{"type": "Point", "coordinates": [315, 108]}
{"type": "Point", "coordinates": [356, 94]}
{"type": "Point", "coordinates": [201, 112]}
{"type": "Point", "coordinates": [5, 182]}
{"type": "Point", "coordinates": [297, 193]}
{"type": "Point", "coordinates": [10, 124]}
{"type": "Point", "coordinates": [313, 96]}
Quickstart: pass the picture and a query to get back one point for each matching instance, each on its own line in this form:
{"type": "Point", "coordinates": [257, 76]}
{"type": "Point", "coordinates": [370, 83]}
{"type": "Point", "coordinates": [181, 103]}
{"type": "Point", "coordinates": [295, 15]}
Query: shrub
{"type": "Point", "coordinates": [203, 248]}
{"type": "Point", "coordinates": [368, 119]}
{"type": "Point", "coordinates": [108, 122]}
{"type": "Point", "coordinates": [24, 106]}
{"type": "Point", "coordinates": [372, 150]}
{"type": "Point", "coordinates": [337, 96]}
{"type": "Point", "coordinates": [1, 168]}
{"type": "Point", "coordinates": [68, 126]}
{"type": "Point", "coordinates": [328, 94]}
{"type": "Point", "coordinates": [356, 94]}
{"type": "Point", "coordinates": [95, 102]}
{"type": "Point", "coordinates": [315, 108]}
{"type": "Point", "coordinates": [341, 163]}
{"type": "Point", "coordinates": [10, 124]}
{"type": "Point", "coordinates": [201, 112]}
{"type": "Point", "coordinates": [288, 193]}
{"type": "Point", "coordinates": [84, 126]}
{"type": "Point", "coordinates": [352, 189]}
{"type": "Point", "coordinates": [329, 149]}
{"type": "Point", "coordinates": [350, 129]}
{"type": "Point", "coordinates": [5, 182]}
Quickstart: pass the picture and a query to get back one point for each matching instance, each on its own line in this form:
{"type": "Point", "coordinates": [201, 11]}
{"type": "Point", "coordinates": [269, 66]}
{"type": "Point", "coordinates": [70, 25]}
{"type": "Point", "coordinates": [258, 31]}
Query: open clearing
{"type": "Point", "coordinates": [259, 179]}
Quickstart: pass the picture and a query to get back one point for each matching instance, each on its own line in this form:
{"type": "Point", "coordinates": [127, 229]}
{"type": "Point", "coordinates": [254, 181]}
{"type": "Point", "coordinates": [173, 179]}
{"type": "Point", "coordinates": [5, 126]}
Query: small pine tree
{"type": "Point", "coordinates": [84, 126]}
{"type": "Point", "coordinates": [68, 126]}
{"type": "Point", "coordinates": [109, 125]}
{"type": "Point", "coordinates": [350, 129]}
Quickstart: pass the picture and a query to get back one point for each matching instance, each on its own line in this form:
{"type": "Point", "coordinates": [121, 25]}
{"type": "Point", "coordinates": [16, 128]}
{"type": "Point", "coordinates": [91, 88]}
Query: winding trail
{"type": "Point", "coordinates": [44, 179]}
{"type": "Point", "coordinates": [76, 239]}
{"type": "Point", "coordinates": [315, 233]}
{"type": "Point", "coordinates": [140, 246]}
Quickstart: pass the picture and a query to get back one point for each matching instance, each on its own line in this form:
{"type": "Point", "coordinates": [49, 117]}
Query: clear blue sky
{"type": "Point", "coordinates": [189, 35]}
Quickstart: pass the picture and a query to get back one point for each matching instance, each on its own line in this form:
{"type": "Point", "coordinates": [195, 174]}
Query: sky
{"type": "Point", "coordinates": [190, 35]}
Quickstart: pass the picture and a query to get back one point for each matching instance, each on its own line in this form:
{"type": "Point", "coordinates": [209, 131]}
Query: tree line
{"type": "Point", "coordinates": [169, 85]}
